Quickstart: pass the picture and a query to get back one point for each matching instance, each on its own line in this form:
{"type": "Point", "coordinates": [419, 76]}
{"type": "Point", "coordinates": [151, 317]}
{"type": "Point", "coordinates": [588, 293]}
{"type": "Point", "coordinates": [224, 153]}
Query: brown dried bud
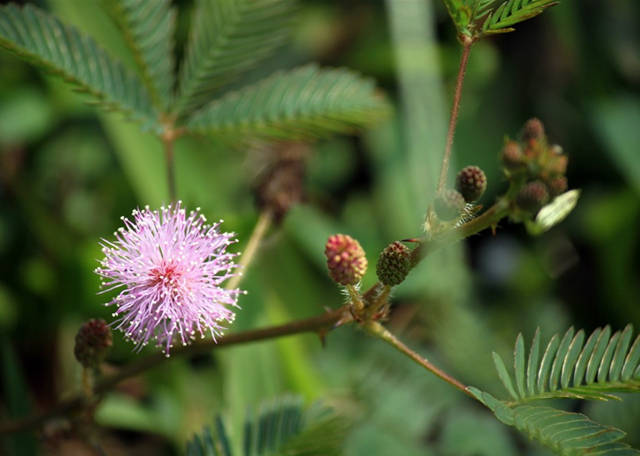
{"type": "Point", "coordinates": [394, 263]}
{"type": "Point", "coordinates": [280, 185]}
{"type": "Point", "coordinates": [93, 342]}
{"type": "Point", "coordinates": [533, 130]}
{"type": "Point", "coordinates": [346, 259]}
{"type": "Point", "coordinates": [471, 182]}
{"type": "Point", "coordinates": [557, 185]}
{"type": "Point", "coordinates": [532, 196]}
{"type": "Point", "coordinates": [512, 156]}
{"type": "Point", "coordinates": [449, 204]}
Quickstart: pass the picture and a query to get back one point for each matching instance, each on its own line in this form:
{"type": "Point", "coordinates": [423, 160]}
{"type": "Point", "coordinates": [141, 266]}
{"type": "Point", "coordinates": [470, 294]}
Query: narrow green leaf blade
{"type": "Point", "coordinates": [518, 365]}
{"type": "Point", "coordinates": [148, 27]}
{"type": "Point", "coordinates": [304, 103]}
{"type": "Point", "coordinates": [229, 37]}
{"type": "Point", "coordinates": [512, 12]}
{"type": "Point", "coordinates": [556, 367]}
{"type": "Point", "coordinates": [605, 363]}
{"type": "Point", "coordinates": [532, 365]}
{"type": "Point", "coordinates": [596, 356]}
{"type": "Point", "coordinates": [631, 361]}
{"type": "Point", "coordinates": [583, 359]}
{"type": "Point", "coordinates": [45, 41]}
{"type": "Point", "coordinates": [621, 352]}
{"type": "Point", "coordinates": [504, 375]}
{"type": "Point", "coordinates": [545, 364]}
{"type": "Point", "coordinates": [571, 359]}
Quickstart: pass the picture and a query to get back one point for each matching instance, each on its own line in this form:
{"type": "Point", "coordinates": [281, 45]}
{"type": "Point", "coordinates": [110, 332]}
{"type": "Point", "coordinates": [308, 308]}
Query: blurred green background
{"type": "Point", "coordinates": [68, 173]}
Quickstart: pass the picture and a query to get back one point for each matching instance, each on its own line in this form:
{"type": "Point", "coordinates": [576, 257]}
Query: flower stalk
{"type": "Point", "coordinates": [467, 42]}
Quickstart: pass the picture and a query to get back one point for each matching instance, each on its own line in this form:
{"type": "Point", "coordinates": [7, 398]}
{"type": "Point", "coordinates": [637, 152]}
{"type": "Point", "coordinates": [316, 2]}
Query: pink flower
{"type": "Point", "coordinates": [169, 268]}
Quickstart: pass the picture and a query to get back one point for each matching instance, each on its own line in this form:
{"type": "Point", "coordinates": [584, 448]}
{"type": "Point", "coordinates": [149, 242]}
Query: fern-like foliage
{"type": "Point", "coordinates": [303, 103]}
{"type": "Point", "coordinates": [48, 43]}
{"type": "Point", "coordinates": [478, 18]}
{"type": "Point", "coordinates": [229, 36]}
{"type": "Point", "coordinates": [148, 27]}
{"type": "Point", "coordinates": [281, 428]}
{"type": "Point", "coordinates": [510, 12]}
{"type": "Point", "coordinates": [571, 367]}
{"type": "Point", "coordinates": [565, 433]}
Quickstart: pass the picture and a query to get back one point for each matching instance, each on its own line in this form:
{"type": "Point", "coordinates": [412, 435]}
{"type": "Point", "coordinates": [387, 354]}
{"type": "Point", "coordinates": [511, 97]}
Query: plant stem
{"type": "Point", "coordinates": [376, 329]}
{"type": "Point", "coordinates": [171, 172]}
{"type": "Point", "coordinates": [317, 324]}
{"type": "Point", "coordinates": [262, 225]}
{"type": "Point", "coordinates": [453, 120]}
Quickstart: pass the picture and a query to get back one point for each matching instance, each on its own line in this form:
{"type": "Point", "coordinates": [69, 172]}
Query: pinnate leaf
{"type": "Point", "coordinates": [44, 40]}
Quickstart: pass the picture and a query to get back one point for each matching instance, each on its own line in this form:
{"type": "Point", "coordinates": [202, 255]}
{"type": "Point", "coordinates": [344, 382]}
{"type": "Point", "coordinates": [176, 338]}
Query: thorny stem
{"type": "Point", "coordinates": [467, 42]}
{"type": "Point", "coordinates": [376, 329]}
{"type": "Point", "coordinates": [262, 225]}
{"type": "Point", "coordinates": [318, 324]}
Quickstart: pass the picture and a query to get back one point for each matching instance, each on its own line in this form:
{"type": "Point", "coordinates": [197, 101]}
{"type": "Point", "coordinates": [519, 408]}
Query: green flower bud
{"type": "Point", "coordinates": [394, 263]}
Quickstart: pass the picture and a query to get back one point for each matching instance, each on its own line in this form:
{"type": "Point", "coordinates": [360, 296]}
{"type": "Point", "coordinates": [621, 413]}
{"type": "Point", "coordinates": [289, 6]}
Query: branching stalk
{"type": "Point", "coordinates": [318, 324]}
{"type": "Point", "coordinates": [467, 42]}
{"type": "Point", "coordinates": [376, 329]}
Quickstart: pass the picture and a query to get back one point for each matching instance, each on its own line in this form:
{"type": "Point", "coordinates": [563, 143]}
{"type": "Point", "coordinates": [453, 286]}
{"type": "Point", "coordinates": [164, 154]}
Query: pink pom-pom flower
{"type": "Point", "coordinates": [169, 267]}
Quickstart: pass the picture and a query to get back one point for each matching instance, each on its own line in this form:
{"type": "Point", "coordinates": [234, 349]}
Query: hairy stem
{"type": "Point", "coordinates": [261, 228]}
{"type": "Point", "coordinates": [319, 324]}
{"type": "Point", "coordinates": [453, 120]}
{"type": "Point", "coordinates": [376, 329]}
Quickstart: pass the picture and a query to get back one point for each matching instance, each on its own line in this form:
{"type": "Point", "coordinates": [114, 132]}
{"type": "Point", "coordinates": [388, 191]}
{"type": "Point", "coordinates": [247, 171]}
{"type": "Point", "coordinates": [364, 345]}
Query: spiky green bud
{"type": "Point", "coordinates": [394, 263]}
{"type": "Point", "coordinates": [532, 196]}
{"type": "Point", "coordinates": [471, 182]}
{"type": "Point", "coordinates": [346, 259]}
{"type": "Point", "coordinates": [93, 342]}
{"type": "Point", "coordinates": [449, 204]}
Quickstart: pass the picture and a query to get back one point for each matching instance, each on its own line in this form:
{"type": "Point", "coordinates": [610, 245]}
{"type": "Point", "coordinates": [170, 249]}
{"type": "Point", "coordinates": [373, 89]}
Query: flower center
{"type": "Point", "coordinates": [165, 275]}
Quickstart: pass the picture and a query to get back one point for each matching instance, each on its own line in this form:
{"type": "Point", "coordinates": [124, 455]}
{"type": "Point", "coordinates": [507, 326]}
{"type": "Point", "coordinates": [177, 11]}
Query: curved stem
{"type": "Point", "coordinates": [263, 224]}
{"type": "Point", "coordinates": [319, 324]}
{"type": "Point", "coordinates": [453, 120]}
{"type": "Point", "coordinates": [376, 329]}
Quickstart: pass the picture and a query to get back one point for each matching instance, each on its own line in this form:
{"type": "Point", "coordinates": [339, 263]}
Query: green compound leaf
{"type": "Point", "coordinates": [565, 433]}
{"type": "Point", "coordinates": [46, 42]}
{"type": "Point", "coordinates": [228, 37]}
{"type": "Point", "coordinates": [304, 103]}
{"type": "Point", "coordinates": [573, 368]}
{"type": "Point", "coordinates": [511, 12]}
{"type": "Point", "coordinates": [283, 427]}
{"type": "Point", "coordinates": [148, 27]}
{"type": "Point", "coordinates": [466, 14]}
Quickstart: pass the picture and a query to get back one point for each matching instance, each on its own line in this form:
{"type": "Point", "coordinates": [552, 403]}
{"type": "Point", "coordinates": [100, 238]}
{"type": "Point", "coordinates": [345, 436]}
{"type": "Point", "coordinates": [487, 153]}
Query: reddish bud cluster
{"type": "Point", "coordinates": [93, 341]}
{"type": "Point", "coordinates": [541, 166]}
{"type": "Point", "coordinates": [471, 182]}
{"type": "Point", "coordinates": [346, 259]}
